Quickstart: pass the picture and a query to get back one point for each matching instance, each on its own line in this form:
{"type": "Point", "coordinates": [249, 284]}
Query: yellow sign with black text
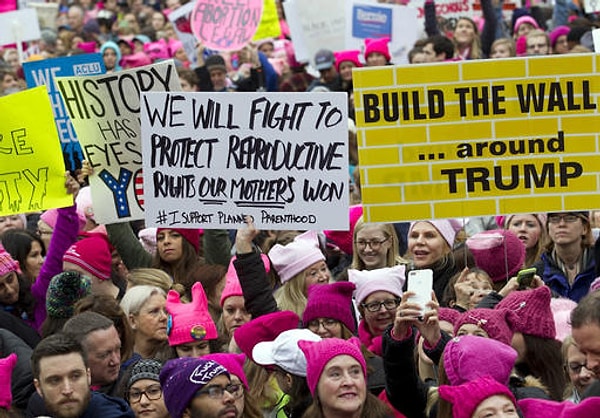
{"type": "Point", "coordinates": [475, 138]}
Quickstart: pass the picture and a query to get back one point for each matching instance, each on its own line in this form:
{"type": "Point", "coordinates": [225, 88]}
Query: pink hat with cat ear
{"type": "Point", "coordinates": [189, 322]}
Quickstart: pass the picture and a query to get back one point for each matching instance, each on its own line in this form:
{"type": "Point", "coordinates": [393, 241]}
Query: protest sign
{"type": "Point", "coordinates": [368, 20]}
{"type": "Point", "coordinates": [449, 10]}
{"type": "Point", "coordinates": [477, 138]}
{"type": "Point", "coordinates": [31, 164]}
{"type": "Point", "coordinates": [269, 22]}
{"type": "Point", "coordinates": [44, 72]}
{"type": "Point", "coordinates": [180, 18]}
{"type": "Point", "coordinates": [210, 159]}
{"type": "Point", "coordinates": [315, 24]}
{"type": "Point", "coordinates": [46, 12]}
{"type": "Point", "coordinates": [105, 113]}
{"type": "Point", "coordinates": [225, 25]}
{"type": "Point", "coordinates": [19, 26]}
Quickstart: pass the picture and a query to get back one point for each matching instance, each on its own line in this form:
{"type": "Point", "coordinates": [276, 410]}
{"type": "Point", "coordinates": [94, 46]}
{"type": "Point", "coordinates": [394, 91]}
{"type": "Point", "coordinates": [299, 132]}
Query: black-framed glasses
{"type": "Point", "coordinates": [567, 217]}
{"type": "Point", "coordinates": [388, 304]}
{"type": "Point", "coordinates": [375, 244]}
{"type": "Point", "coordinates": [327, 323]}
{"type": "Point", "coordinates": [217, 392]}
{"type": "Point", "coordinates": [576, 367]}
{"type": "Point", "coordinates": [152, 392]}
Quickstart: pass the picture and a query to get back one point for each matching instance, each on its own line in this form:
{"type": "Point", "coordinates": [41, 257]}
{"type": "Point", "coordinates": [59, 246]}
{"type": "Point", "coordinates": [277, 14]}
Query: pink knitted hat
{"type": "Point", "coordinates": [350, 55]}
{"type": "Point", "coordinates": [93, 254]}
{"type": "Point", "coordinates": [448, 315]}
{"type": "Point", "coordinates": [189, 322]}
{"type": "Point", "coordinates": [498, 252]}
{"type": "Point", "coordinates": [466, 398]}
{"type": "Point", "coordinates": [557, 32]}
{"type": "Point", "coordinates": [469, 357]}
{"type": "Point", "coordinates": [301, 253]}
{"type": "Point", "coordinates": [343, 239]}
{"type": "Point", "coordinates": [542, 408]}
{"type": "Point", "coordinates": [561, 311]}
{"type": "Point", "coordinates": [232, 283]}
{"type": "Point", "coordinates": [7, 263]}
{"type": "Point", "coordinates": [388, 279]}
{"type": "Point", "coordinates": [51, 215]}
{"type": "Point", "coordinates": [333, 300]}
{"type": "Point", "coordinates": [7, 365]}
{"type": "Point", "coordinates": [444, 227]}
{"type": "Point", "coordinates": [492, 321]}
{"type": "Point", "coordinates": [191, 235]}
{"type": "Point", "coordinates": [521, 46]}
{"type": "Point", "coordinates": [379, 45]}
{"type": "Point", "coordinates": [525, 19]}
{"type": "Point", "coordinates": [533, 312]}
{"type": "Point", "coordinates": [264, 328]}
{"type": "Point", "coordinates": [234, 363]}
{"type": "Point", "coordinates": [318, 354]}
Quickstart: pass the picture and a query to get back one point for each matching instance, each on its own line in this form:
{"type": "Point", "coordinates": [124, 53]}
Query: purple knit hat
{"type": "Point", "coordinates": [499, 252]}
{"type": "Point", "coordinates": [542, 408]}
{"type": "Point", "coordinates": [466, 398]}
{"type": "Point", "coordinates": [469, 357]}
{"type": "Point", "coordinates": [333, 300]}
{"type": "Point", "coordinates": [182, 377]}
{"type": "Point", "coordinates": [264, 328]}
{"type": "Point", "coordinates": [301, 253]}
{"type": "Point", "coordinates": [444, 226]}
{"type": "Point", "coordinates": [379, 45]}
{"type": "Point", "coordinates": [318, 354]}
{"type": "Point", "coordinates": [492, 321]}
{"type": "Point", "coordinates": [189, 322]}
{"type": "Point", "coordinates": [532, 312]}
{"type": "Point", "coordinates": [234, 363]}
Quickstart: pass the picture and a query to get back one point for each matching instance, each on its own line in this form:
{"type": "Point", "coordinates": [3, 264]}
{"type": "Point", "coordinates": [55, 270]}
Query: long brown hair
{"type": "Point", "coordinates": [181, 268]}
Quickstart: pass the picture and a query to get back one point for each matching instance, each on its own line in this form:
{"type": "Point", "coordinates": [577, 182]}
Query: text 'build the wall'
{"type": "Point", "coordinates": [212, 159]}
{"type": "Point", "coordinates": [479, 138]}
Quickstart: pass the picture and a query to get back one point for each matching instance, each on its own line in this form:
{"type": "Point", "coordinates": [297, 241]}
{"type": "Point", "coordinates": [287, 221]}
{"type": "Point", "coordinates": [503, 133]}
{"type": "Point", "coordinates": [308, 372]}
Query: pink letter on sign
{"type": "Point", "coordinates": [226, 25]}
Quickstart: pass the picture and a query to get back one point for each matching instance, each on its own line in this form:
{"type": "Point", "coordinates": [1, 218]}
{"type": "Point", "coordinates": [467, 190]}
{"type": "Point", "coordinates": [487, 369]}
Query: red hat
{"type": "Point", "coordinates": [333, 300]}
{"type": "Point", "coordinates": [191, 235]}
{"type": "Point", "coordinates": [93, 254]}
{"type": "Point", "coordinates": [264, 328]}
{"type": "Point", "coordinates": [379, 45]}
{"type": "Point", "coordinates": [343, 239]}
{"type": "Point", "coordinates": [189, 322]}
{"type": "Point", "coordinates": [492, 321]}
{"type": "Point", "coordinates": [533, 312]}
{"type": "Point", "coordinates": [466, 398]}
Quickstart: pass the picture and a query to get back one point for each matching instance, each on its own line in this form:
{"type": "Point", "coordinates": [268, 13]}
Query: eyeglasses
{"type": "Point", "coordinates": [576, 367]}
{"type": "Point", "coordinates": [388, 304]}
{"type": "Point", "coordinates": [374, 244]}
{"type": "Point", "coordinates": [217, 392]}
{"type": "Point", "coordinates": [152, 392]}
{"type": "Point", "coordinates": [327, 323]}
{"type": "Point", "coordinates": [568, 218]}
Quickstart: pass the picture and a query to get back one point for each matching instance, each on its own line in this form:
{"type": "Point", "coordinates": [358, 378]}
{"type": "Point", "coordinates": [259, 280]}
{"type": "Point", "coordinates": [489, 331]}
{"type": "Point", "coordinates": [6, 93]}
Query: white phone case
{"type": "Point", "coordinates": [420, 282]}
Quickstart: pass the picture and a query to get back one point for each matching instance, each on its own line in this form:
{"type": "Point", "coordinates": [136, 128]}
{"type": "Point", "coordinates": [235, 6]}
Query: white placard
{"type": "Point", "coordinates": [210, 159]}
{"type": "Point", "coordinates": [19, 26]}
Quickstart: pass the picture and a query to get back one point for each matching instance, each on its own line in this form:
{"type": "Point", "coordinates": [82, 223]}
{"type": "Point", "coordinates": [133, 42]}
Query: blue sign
{"type": "Point", "coordinates": [44, 72]}
{"type": "Point", "coordinates": [371, 22]}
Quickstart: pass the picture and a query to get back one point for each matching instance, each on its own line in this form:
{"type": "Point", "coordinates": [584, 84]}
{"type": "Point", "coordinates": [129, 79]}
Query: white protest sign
{"type": "Point", "coordinates": [368, 20]}
{"type": "Point", "coordinates": [19, 26]}
{"type": "Point", "coordinates": [105, 113]}
{"type": "Point", "coordinates": [211, 159]}
{"type": "Point", "coordinates": [316, 24]}
{"type": "Point", "coordinates": [450, 10]}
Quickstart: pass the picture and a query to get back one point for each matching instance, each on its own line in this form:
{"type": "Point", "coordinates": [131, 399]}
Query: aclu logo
{"type": "Point", "coordinates": [87, 69]}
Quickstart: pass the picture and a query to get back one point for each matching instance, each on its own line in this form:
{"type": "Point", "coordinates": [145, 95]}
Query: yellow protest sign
{"type": "Point", "coordinates": [479, 138]}
{"type": "Point", "coordinates": [31, 162]}
{"type": "Point", "coordinates": [269, 22]}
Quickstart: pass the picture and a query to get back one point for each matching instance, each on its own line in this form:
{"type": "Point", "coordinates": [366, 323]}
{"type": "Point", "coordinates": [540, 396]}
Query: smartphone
{"type": "Point", "coordinates": [525, 277]}
{"type": "Point", "coordinates": [421, 283]}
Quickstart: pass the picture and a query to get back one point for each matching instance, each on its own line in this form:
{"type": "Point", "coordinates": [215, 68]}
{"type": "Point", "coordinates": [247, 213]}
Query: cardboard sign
{"type": "Point", "coordinates": [211, 159]}
{"type": "Point", "coordinates": [31, 164]}
{"type": "Point", "coordinates": [475, 138]}
{"type": "Point", "coordinates": [226, 25]}
{"type": "Point", "coordinates": [44, 72]}
{"type": "Point", "coordinates": [105, 112]}
{"type": "Point", "coordinates": [19, 26]}
{"type": "Point", "coordinates": [269, 22]}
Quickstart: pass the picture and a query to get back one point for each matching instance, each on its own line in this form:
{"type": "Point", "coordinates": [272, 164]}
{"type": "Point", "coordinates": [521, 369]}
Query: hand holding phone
{"type": "Point", "coordinates": [421, 283]}
{"type": "Point", "coordinates": [525, 277]}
